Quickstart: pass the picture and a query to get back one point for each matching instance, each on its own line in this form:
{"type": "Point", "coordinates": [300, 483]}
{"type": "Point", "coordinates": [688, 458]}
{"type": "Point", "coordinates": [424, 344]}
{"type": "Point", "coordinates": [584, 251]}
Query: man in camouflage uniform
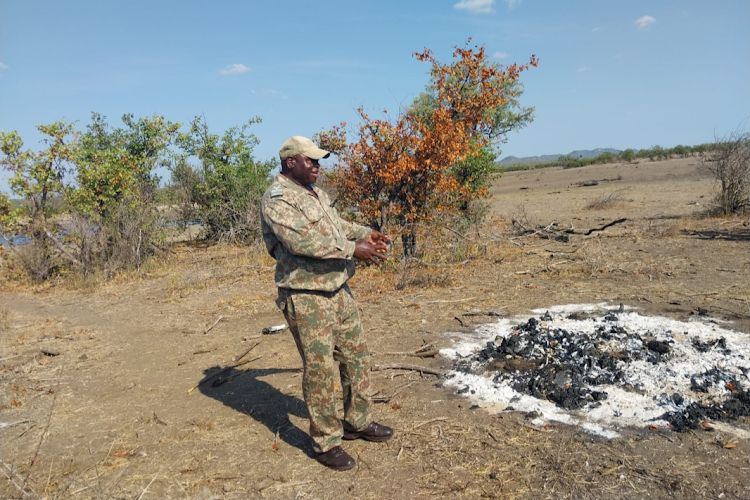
{"type": "Point", "coordinates": [313, 248]}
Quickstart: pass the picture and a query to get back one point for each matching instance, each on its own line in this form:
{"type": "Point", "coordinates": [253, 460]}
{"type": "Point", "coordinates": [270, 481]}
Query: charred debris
{"type": "Point", "coordinates": [571, 368]}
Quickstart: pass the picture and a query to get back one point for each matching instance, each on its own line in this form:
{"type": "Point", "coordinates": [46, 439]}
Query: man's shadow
{"type": "Point", "coordinates": [244, 392]}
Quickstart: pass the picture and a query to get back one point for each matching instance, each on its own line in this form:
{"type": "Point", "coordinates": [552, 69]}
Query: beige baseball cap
{"type": "Point", "coordinates": [302, 145]}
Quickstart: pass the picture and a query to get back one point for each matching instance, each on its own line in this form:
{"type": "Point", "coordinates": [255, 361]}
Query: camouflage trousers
{"type": "Point", "coordinates": [327, 331]}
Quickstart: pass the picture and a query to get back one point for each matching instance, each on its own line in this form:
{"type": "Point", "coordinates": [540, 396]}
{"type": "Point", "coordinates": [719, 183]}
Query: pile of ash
{"type": "Point", "coordinates": [576, 367]}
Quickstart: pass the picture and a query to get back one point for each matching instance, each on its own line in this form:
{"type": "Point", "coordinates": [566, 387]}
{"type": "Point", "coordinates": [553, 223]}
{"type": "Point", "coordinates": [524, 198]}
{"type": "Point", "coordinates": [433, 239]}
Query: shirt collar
{"type": "Point", "coordinates": [289, 183]}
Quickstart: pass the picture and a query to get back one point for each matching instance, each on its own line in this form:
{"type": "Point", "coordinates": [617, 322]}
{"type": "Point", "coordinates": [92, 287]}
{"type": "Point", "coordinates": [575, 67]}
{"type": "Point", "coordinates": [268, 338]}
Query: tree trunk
{"type": "Point", "coordinates": [409, 241]}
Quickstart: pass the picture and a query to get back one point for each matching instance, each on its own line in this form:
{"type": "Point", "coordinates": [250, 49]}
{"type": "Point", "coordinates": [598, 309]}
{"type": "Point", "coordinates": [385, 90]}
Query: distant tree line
{"type": "Point", "coordinates": [727, 160]}
{"type": "Point", "coordinates": [655, 153]}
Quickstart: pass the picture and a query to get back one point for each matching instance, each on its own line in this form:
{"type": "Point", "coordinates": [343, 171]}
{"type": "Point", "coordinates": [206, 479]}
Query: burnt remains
{"type": "Point", "coordinates": [572, 368]}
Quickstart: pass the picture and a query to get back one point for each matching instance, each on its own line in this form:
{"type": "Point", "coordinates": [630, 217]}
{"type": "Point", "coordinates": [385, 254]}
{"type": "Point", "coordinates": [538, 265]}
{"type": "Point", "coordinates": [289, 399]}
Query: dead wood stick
{"type": "Point", "coordinates": [247, 351]}
{"type": "Point", "coordinates": [402, 387]}
{"type": "Point", "coordinates": [414, 368]}
{"type": "Point", "coordinates": [426, 351]}
{"type": "Point", "coordinates": [432, 420]}
{"type": "Point", "coordinates": [10, 357]}
{"type": "Point", "coordinates": [231, 283]}
{"type": "Point", "coordinates": [147, 486]}
{"type": "Point", "coordinates": [538, 429]}
{"type": "Point", "coordinates": [22, 490]}
{"type": "Point", "coordinates": [225, 378]}
{"type": "Point", "coordinates": [221, 372]}
{"type": "Point", "coordinates": [467, 299]}
{"type": "Point", "coordinates": [605, 226]}
{"type": "Point", "coordinates": [456, 232]}
{"type": "Point", "coordinates": [290, 485]}
{"type": "Point", "coordinates": [212, 326]}
{"type": "Point", "coordinates": [65, 252]}
{"type": "Point", "coordinates": [3, 425]}
{"type": "Point", "coordinates": [428, 264]}
{"type": "Point", "coordinates": [226, 369]}
{"type": "Point", "coordinates": [489, 312]}
{"type": "Point", "coordinates": [418, 354]}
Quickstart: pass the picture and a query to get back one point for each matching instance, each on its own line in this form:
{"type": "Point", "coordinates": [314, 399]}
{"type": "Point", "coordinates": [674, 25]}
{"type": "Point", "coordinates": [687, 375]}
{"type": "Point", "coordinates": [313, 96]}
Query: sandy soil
{"type": "Point", "coordinates": [109, 415]}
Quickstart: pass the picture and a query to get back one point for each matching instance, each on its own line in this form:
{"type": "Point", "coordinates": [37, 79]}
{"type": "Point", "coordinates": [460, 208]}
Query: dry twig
{"type": "Point", "coordinates": [212, 326]}
{"type": "Point", "coordinates": [414, 368]}
{"type": "Point", "coordinates": [228, 368]}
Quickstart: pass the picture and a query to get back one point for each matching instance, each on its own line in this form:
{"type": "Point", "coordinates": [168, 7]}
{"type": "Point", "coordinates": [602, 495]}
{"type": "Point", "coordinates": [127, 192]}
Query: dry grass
{"type": "Point", "coordinates": [605, 201]}
{"type": "Point", "coordinates": [143, 335]}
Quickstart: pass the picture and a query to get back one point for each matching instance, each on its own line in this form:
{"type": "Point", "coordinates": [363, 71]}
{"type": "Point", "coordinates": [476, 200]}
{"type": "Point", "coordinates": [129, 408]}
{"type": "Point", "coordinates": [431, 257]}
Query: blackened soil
{"type": "Point", "coordinates": [697, 414]}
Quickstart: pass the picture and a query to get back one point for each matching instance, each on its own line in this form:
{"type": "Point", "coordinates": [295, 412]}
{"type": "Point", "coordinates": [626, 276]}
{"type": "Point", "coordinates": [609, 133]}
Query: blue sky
{"type": "Point", "coordinates": [612, 74]}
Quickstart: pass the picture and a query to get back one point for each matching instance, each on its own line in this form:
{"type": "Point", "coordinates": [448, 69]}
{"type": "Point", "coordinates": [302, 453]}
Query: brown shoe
{"type": "Point", "coordinates": [336, 458]}
{"type": "Point", "coordinates": [373, 432]}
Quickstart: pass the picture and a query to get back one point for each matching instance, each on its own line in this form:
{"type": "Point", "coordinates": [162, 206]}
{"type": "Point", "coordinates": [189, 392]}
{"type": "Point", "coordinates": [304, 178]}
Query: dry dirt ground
{"type": "Point", "coordinates": [109, 416]}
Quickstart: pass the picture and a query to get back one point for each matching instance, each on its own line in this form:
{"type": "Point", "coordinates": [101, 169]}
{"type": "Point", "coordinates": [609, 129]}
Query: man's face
{"type": "Point", "coordinates": [303, 169]}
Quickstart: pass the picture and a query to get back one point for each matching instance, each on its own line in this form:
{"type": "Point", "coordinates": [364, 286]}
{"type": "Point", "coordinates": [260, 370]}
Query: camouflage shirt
{"type": "Point", "coordinates": [312, 245]}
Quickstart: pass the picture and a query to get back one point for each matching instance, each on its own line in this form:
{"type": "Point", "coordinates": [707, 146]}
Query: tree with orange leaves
{"type": "Point", "coordinates": [399, 173]}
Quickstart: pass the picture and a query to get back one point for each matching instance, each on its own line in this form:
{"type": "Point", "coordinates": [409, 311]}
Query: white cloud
{"type": "Point", "coordinates": [500, 54]}
{"type": "Point", "coordinates": [3, 66]}
{"type": "Point", "coordinates": [583, 69]}
{"type": "Point", "coordinates": [234, 69]}
{"type": "Point", "coordinates": [511, 3]}
{"type": "Point", "coordinates": [271, 93]}
{"type": "Point", "coordinates": [644, 21]}
{"type": "Point", "coordinates": [596, 30]}
{"type": "Point", "coordinates": [476, 6]}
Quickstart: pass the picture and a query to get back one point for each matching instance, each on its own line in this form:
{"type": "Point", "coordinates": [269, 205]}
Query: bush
{"type": "Point", "coordinates": [730, 165]}
{"type": "Point", "coordinates": [628, 155]}
{"type": "Point", "coordinates": [223, 191]}
{"type": "Point", "coordinates": [37, 179]}
{"type": "Point", "coordinates": [115, 222]}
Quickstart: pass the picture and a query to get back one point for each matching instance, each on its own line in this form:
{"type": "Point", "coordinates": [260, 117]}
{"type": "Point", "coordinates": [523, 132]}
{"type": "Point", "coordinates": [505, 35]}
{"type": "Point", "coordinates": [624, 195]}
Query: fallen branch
{"type": "Point", "coordinates": [432, 420]}
{"type": "Point", "coordinates": [555, 232]}
{"type": "Point", "coordinates": [148, 485]}
{"type": "Point", "coordinates": [225, 376]}
{"type": "Point", "coordinates": [538, 429]}
{"type": "Point", "coordinates": [3, 425]}
{"type": "Point", "coordinates": [64, 251]}
{"type": "Point", "coordinates": [212, 326]}
{"type": "Point", "coordinates": [426, 351]}
{"type": "Point", "coordinates": [605, 226]}
{"type": "Point", "coordinates": [22, 490]}
{"type": "Point", "coordinates": [228, 368]}
{"type": "Point", "coordinates": [402, 388]}
{"type": "Point", "coordinates": [428, 264]}
{"type": "Point", "coordinates": [414, 368]}
{"type": "Point", "coordinates": [290, 485]}
{"type": "Point", "coordinates": [489, 312]}
{"type": "Point", "coordinates": [466, 299]}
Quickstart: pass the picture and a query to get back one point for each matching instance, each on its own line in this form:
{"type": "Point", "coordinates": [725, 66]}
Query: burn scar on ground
{"type": "Point", "coordinates": [604, 368]}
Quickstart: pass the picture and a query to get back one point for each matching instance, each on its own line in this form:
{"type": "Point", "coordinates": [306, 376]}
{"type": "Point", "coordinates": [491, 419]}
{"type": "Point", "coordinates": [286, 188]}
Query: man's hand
{"type": "Point", "coordinates": [378, 237]}
{"type": "Point", "coordinates": [369, 251]}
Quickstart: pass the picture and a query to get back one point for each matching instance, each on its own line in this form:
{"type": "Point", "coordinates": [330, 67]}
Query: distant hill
{"type": "Point", "coordinates": [580, 153]}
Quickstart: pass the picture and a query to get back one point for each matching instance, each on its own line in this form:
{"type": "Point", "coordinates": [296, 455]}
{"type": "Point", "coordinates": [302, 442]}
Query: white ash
{"type": "Point", "coordinates": [652, 384]}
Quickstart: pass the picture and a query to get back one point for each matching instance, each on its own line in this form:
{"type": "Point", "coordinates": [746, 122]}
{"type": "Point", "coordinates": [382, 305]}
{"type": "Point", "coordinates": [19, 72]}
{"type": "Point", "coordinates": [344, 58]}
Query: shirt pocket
{"type": "Point", "coordinates": [312, 212]}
